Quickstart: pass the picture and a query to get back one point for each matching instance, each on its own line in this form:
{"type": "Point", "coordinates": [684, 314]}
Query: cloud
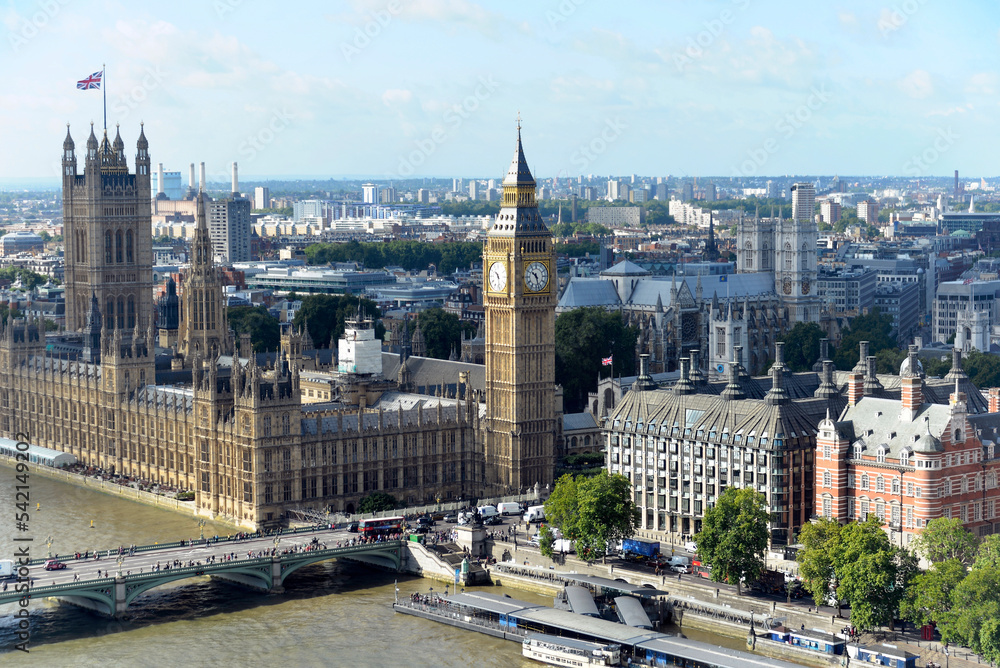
{"type": "Point", "coordinates": [396, 96]}
{"type": "Point", "coordinates": [917, 84]}
{"type": "Point", "coordinates": [983, 83]}
{"type": "Point", "coordinates": [848, 20]}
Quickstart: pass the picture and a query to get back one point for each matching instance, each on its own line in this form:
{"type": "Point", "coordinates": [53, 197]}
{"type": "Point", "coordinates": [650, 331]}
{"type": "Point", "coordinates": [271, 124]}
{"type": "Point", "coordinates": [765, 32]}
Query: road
{"type": "Point", "coordinates": [189, 555]}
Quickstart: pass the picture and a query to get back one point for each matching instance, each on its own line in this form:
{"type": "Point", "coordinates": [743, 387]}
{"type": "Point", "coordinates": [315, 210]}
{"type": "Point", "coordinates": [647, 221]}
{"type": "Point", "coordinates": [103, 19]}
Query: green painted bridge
{"type": "Point", "coordinates": [86, 583]}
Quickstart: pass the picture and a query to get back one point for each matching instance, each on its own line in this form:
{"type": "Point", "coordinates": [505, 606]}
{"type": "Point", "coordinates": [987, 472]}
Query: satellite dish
{"type": "Point", "coordinates": [720, 368]}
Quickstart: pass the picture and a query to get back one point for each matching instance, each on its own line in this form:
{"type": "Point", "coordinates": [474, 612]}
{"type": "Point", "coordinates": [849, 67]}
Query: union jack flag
{"type": "Point", "coordinates": [93, 81]}
{"type": "Point", "coordinates": [605, 361]}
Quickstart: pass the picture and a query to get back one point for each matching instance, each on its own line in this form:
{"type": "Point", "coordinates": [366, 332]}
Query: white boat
{"type": "Point", "coordinates": [557, 651]}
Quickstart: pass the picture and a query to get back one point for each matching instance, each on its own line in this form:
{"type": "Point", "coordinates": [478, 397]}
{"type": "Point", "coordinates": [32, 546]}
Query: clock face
{"type": "Point", "coordinates": [498, 276]}
{"type": "Point", "coordinates": [786, 286]}
{"type": "Point", "coordinates": [805, 286]}
{"type": "Point", "coordinates": [536, 276]}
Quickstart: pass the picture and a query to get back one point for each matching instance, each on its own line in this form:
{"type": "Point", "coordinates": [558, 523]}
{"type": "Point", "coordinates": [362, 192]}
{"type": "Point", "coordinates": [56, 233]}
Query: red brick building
{"type": "Point", "coordinates": [910, 461]}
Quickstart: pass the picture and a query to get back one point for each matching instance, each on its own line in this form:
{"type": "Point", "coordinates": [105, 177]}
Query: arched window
{"type": "Point", "coordinates": [864, 481]}
{"type": "Point", "coordinates": [895, 485]}
{"type": "Point", "coordinates": [285, 424]}
{"type": "Point", "coordinates": [880, 484]}
{"type": "Point", "coordinates": [118, 247]}
{"type": "Point", "coordinates": [765, 262]}
{"type": "Point", "coordinates": [108, 258]}
{"type": "Point", "coordinates": [129, 257]}
{"type": "Point", "coordinates": [748, 255]}
{"type": "Point", "coordinates": [109, 313]}
{"type": "Point", "coordinates": [788, 257]}
{"type": "Point", "coordinates": [121, 313]}
{"type": "Point", "coordinates": [958, 435]}
{"type": "Point", "coordinates": [804, 258]}
{"type": "Point", "coordinates": [827, 479]}
{"type": "Point", "coordinates": [131, 312]}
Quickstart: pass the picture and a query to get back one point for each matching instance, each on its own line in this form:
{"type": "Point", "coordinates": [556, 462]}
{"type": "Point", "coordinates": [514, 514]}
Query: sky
{"type": "Point", "coordinates": [392, 89]}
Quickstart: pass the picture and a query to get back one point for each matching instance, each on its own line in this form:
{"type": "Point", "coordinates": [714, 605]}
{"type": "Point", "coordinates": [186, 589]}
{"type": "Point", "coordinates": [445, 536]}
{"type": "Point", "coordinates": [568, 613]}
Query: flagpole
{"type": "Point", "coordinates": [104, 89]}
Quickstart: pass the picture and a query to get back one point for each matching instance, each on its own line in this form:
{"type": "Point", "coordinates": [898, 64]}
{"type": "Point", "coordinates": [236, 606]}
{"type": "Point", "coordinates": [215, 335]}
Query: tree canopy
{"type": "Point", "coordinates": [802, 345]}
{"type": "Point", "coordinates": [872, 574]}
{"type": "Point", "coordinates": [592, 511]}
{"type": "Point", "coordinates": [377, 502]}
{"type": "Point", "coordinates": [734, 536]}
{"type": "Point", "coordinates": [873, 327]}
{"type": "Point", "coordinates": [583, 337]}
{"type": "Point", "coordinates": [443, 332]}
{"type": "Point", "coordinates": [264, 329]}
{"type": "Point", "coordinates": [946, 538]}
{"type": "Point", "coordinates": [325, 316]}
{"type": "Point", "coordinates": [820, 541]}
{"type": "Point", "coordinates": [410, 255]}
{"type": "Point", "coordinates": [29, 279]}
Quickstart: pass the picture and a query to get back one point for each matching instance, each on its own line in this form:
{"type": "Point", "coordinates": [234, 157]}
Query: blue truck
{"type": "Point", "coordinates": [637, 548]}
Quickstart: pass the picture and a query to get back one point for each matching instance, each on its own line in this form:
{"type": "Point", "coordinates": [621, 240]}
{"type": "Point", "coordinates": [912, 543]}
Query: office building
{"type": "Point", "coordinates": [261, 197]}
{"type": "Point", "coordinates": [868, 211]}
{"type": "Point", "coordinates": [369, 193]}
{"type": "Point", "coordinates": [830, 211]}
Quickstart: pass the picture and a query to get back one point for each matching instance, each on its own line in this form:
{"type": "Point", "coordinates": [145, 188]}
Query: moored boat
{"type": "Point", "coordinates": [557, 651]}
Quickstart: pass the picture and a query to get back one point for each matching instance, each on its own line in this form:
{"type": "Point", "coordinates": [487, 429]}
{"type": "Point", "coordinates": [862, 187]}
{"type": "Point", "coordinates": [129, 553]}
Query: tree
{"type": "Point", "coordinates": [872, 327]}
{"type": "Point", "coordinates": [889, 360]}
{"type": "Point", "coordinates": [820, 541]}
{"type": "Point", "coordinates": [928, 598]}
{"type": "Point", "coordinates": [563, 505]}
{"type": "Point", "coordinates": [734, 536]}
{"type": "Point", "coordinates": [592, 511]}
{"type": "Point", "coordinates": [546, 542]}
{"type": "Point", "coordinates": [377, 502]}
{"type": "Point", "coordinates": [872, 574]}
{"type": "Point", "coordinates": [263, 328]}
{"type": "Point", "coordinates": [802, 345]}
{"type": "Point", "coordinates": [947, 538]}
{"type": "Point", "coordinates": [606, 512]}
{"type": "Point", "coordinates": [325, 316]}
{"type": "Point", "coordinates": [583, 337]}
{"type": "Point", "coordinates": [975, 601]}
{"type": "Point", "coordinates": [443, 332]}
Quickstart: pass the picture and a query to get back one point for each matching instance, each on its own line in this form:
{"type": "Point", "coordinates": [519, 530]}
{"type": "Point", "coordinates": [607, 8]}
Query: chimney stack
{"type": "Point", "coordinates": [160, 190]}
{"type": "Point", "coordinates": [779, 354]}
{"type": "Point", "coordinates": [201, 179]}
{"type": "Point", "coordinates": [911, 389]}
{"type": "Point", "coordinates": [191, 177]}
{"type": "Point", "coordinates": [236, 183]}
{"type": "Point", "coordinates": [855, 388]}
{"type": "Point", "coordinates": [994, 400]}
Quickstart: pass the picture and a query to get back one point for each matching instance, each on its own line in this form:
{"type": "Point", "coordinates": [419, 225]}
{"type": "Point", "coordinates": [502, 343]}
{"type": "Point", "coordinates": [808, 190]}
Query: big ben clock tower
{"type": "Point", "coordinates": [519, 267]}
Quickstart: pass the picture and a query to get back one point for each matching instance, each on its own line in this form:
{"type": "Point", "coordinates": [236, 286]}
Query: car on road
{"type": "Point", "coordinates": [681, 568]}
{"type": "Point", "coordinates": [691, 546]}
{"type": "Point", "coordinates": [493, 521]}
{"type": "Point", "coordinates": [425, 521]}
{"type": "Point", "coordinates": [53, 565]}
{"type": "Point", "coordinates": [451, 518]}
{"type": "Point", "coordinates": [352, 527]}
{"type": "Point", "coordinates": [422, 529]}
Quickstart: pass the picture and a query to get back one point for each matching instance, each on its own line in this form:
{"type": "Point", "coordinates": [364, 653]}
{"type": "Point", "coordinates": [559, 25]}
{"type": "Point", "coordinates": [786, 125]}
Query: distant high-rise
{"type": "Point", "coordinates": [773, 190]}
{"type": "Point", "coordinates": [473, 189]}
{"type": "Point", "coordinates": [370, 193]}
{"type": "Point", "coordinates": [710, 192]}
{"type": "Point", "coordinates": [614, 189]}
{"type": "Point", "coordinates": [423, 196]}
{"type": "Point", "coordinates": [958, 188]}
{"type": "Point", "coordinates": [830, 211]}
{"type": "Point", "coordinates": [868, 211]}
{"type": "Point", "coordinates": [229, 229]}
{"type": "Point", "coordinates": [456, 185]}
{"type": "Point", "coordinates": [803, 202]}
{"type": "Point", "coordinates": [308, 208]}
{"type": "Point", "coordinates": [108, 232]}
{"type": "Point", "coordinates": [687, 191]}
{"type": "Point", "coordinates": [261, 197]}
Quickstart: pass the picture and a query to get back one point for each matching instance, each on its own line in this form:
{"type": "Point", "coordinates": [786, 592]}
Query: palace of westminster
{"type": "Point", "coordinates": [173, 399]}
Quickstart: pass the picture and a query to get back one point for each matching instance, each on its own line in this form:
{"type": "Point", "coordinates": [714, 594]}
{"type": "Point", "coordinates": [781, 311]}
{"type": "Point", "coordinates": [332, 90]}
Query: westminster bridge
{"type": "Point", "coordinates": [108, 584]}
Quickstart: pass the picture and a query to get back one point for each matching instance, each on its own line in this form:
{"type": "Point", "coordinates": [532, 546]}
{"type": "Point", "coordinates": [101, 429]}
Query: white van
{"type": "Point", "coordinates": [509, 508]}
{"type": "Point", "coordinates": [487, 511]}
{"type": "Point", "coordinates": [534, 514]}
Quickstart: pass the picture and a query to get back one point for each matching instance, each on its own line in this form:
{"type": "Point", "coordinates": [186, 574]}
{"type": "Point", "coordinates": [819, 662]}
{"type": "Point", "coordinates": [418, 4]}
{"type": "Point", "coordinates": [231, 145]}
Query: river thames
{"type": "Point", "coordinates": [331, 614]}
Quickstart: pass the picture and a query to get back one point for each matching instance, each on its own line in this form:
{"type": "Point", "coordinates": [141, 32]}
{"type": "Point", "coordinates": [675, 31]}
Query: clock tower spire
{"type": "Point", "coordinates": [519, 300]}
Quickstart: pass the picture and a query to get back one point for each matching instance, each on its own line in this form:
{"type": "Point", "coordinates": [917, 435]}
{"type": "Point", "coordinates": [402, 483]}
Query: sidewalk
{"type": "Point", "coordinates": [927, 650]}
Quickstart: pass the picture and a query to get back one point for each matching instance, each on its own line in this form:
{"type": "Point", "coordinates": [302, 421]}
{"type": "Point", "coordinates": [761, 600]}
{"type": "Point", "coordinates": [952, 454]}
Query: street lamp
{"type": "Point", "coordinates": [201, 527]}
{"type": "Point", "coordinates": [48, 544]}
{"type": "Point", "coordinates": [121, 560]}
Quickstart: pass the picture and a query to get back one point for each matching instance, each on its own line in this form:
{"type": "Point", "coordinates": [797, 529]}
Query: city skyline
{"type": "Point", "coordinates": [427, 88]}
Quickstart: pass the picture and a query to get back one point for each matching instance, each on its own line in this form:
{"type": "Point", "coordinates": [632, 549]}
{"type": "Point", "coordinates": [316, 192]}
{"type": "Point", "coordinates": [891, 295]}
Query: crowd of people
{"type": "Point", "coordinates": [134, 482]}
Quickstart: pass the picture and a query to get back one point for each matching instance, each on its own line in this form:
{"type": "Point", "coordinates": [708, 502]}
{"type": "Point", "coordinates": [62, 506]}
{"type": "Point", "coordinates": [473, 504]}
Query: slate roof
{"type": "Point", "coordinates": [877, 424]}
{"type": "Point", "coordinates": [581, 292]}
{"type": "Point", "coordinates": [431, 372]}
{"type": "Point", "coordinates": [625, 268]}
{"type": "Point", "coordinates": [572, 421]}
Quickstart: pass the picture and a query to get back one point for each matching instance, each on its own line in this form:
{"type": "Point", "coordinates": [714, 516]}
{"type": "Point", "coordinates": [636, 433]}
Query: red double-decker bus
{"type": "Point", "coordinates": [381, 525]}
